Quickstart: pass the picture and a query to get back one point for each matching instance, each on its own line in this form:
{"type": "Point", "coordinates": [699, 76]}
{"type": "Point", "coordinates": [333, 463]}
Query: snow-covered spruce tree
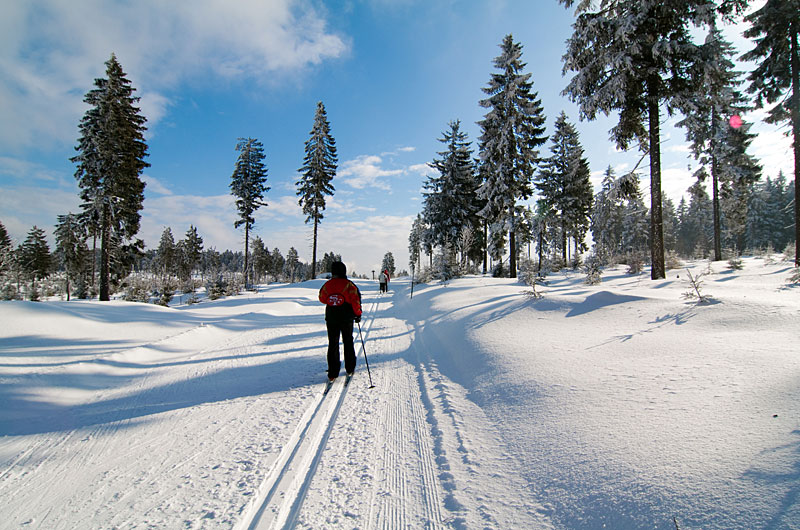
{"type": "Point", "coordinates": [716, 144]}
{"type": "Point", "coordinates": [291, 266]}
{"type": "Point", "coordinates": [165, 259]}
{"type": "Point", "coordinates": [775, 28]}
{"type": "Point", "coordinates": [634, 236]}
{"type": "Point", "coordinates": [193, 248]}
{"type": "Point", "coordinates": [110, 159]}
{"type": "Point", "coordinates": [72, 251]}
{"type": "Point", "coordinates": [415, 243]}
{"type": "Point", "coordinates": [451, 202]}
{"type": "Point", "coordinates": [607, 217]}
{"type": "Point", "coordinates": [695, 232]}
{"type": "Point", "coordinates": [563, 183]}
{"type": "Point", "coordinates": [388, 263]}
{"type": "Point", "coordinates": [631, 56]}
{"type": "Point", "coordinates": [319, 168]}
{"type": "Point", "coordinates": [248, 185]}
{"type": "Point", "coordinates": [35, 260]}
{"type": "Point", "coordinates": [261, 259]}
{"type": "Point", "coordinates": [512, 131]}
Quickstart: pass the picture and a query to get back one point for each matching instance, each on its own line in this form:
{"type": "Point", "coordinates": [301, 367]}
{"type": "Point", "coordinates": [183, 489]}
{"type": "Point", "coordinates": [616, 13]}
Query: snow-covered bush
{"type": "Point", "coordinates": [137, 289]}
{"type": "Point", "coordinates": [735, 263]}
{"type": "Point", "coordinates": [672, 261]}
{"type": "Point", "coordinates": [794, 279]}
{"type": "Point", "coordinates": [789, 252]}
{"type": "Point", "coordinates": [594, 270]}
{"type": "Point", "coordinates": [695, 291]}
{"type": "Point", "coordinates": [216, 289]}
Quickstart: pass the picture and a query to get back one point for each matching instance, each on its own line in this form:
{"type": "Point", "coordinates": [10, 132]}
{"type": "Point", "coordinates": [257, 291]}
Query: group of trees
{"type": "Point", "coordinates": [110, 158]}
{"type": "Point", "coordinates": [636, 59]}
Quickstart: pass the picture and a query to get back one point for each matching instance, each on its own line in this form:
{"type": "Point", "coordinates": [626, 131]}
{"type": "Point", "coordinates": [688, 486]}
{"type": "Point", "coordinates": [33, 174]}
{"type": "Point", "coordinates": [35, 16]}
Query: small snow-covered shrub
{"type": "Point", "coordinates": [789, 252]}
{"type": "Point", "coordinates": [735, 263]}
{"type": "Point", "coordinates": [695, 291]}
{"type": "Point", "coordinates": [635, 263]}
{"type": "Point", "coordinates": [216, 289]}
{"type": "Point", "coordinates": [672, 261]}
{"type": "Point", "coordinates": [794, 279]}
{"type": "Point", "coordinates": [593, 269]}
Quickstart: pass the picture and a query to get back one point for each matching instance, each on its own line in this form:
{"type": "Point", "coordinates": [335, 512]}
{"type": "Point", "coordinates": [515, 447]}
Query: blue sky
{"type": "Point", "coordinates": [391, 73]}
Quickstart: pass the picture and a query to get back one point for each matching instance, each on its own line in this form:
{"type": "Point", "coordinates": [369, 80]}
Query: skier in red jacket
{"type": "Point", "coordinates": [343, 307]}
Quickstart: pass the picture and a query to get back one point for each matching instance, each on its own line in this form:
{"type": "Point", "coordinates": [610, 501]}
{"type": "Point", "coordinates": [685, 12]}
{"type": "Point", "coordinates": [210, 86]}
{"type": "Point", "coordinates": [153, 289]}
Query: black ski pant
{"type": "Point", "coordinates": [343, 327]}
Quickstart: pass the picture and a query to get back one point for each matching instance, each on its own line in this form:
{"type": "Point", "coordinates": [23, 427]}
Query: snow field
{"type": "Point", "coordinates": [619, 405]}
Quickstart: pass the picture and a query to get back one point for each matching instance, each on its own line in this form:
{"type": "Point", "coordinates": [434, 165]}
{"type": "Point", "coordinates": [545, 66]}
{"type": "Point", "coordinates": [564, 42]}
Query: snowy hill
{"type": "Point", "coordinates": [620, 405]}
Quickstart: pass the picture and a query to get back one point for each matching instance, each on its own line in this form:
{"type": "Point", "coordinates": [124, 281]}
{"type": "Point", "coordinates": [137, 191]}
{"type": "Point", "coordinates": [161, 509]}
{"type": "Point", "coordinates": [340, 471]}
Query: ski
{"type": "Point", "coordinates": [328, 385]}
{"type": "Point", "coordinates": [347, 379]}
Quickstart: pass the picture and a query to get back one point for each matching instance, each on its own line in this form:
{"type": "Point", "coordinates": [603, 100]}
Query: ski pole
{"type": "Point", "coordinates": [365, 355]}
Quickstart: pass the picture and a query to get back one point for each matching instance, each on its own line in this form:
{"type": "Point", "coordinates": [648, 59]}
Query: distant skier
{"type": "Point", "coordinates": [384, 280]}
{"type": "Point", "coordinates": [343, 307]}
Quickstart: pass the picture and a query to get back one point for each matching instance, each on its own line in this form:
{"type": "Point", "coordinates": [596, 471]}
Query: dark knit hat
{"type": "Point", "coordinates": [338, 269]}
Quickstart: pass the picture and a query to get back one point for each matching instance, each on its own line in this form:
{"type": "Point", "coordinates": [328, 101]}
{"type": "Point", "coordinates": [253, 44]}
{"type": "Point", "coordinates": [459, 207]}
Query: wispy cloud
{"type": "Point", "coordinates": [366, 172]}
{"type": "Point", "coordinates": [52, 50]}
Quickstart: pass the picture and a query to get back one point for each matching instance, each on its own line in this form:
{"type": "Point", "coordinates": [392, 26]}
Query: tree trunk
{"type": "Point", "coordinates": [512, 244]}
{"type": "Point", "coordinates": [246, 248]}
{"type": "Point", "coordinates": [105, 241]}
{"type": "Point", "coordinates": [314, 250]}
{"type": "Point", "coordinates": [715, 189]}
{"type": "Point", "coordinates": [795, 64]}
{"type": "Point", "coordinates": [485, 245]}
{"type": "Point", "coordinates": [657, 268]}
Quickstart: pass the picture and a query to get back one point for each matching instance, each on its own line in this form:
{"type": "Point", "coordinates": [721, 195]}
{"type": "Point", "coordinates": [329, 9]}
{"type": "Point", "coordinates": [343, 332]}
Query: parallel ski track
{"type": "Point", "coordinates": [279, 499]}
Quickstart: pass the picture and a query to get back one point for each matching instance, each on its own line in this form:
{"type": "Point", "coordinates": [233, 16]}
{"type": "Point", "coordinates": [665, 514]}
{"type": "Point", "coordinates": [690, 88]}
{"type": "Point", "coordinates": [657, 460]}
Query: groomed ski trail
{"type": "Point", "coordinates": [280, 497]}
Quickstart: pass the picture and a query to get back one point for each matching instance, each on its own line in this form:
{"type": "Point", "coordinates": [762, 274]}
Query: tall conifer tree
{"type": "Point", "coordinates": [513, 130]}
{"type": "Point", "coordinates": [451, 201]}
{"type": "Point", "coordinates": [776, 79]}
{"type": "Point", "coordinates": [110, 159]}
{"type": "Point", "coordinates": [248, 185]}
{"type": "Point", "coordinates": [319, 168]}
{"type": "Point", "coordinates": [631, 56]}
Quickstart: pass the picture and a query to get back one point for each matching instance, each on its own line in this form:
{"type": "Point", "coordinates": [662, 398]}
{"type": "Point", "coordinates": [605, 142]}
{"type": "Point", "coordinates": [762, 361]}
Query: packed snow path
{"type": "Point", "coordinates": [620, 405]}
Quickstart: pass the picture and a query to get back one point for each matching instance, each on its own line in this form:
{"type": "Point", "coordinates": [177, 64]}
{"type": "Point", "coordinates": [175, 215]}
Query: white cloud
{"type": "Point", "coordinates": [153, 185]}
{"type": "Point", "coordinates": [52, 50]}
{"type": "Point", "coordinates": [366, 172]}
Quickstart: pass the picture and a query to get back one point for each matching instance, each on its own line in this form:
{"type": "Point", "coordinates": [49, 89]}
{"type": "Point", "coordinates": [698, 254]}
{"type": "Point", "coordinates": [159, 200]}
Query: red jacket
{"type": "Point", "coordinates": [337, 294]}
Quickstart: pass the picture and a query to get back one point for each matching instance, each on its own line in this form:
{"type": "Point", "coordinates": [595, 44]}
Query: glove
{"type": "Point", "coordinates": [357, 319]}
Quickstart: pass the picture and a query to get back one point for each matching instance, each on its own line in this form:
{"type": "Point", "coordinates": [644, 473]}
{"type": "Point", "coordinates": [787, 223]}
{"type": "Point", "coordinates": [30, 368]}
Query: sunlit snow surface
{"type": "Point", "coordinates": [619, 405]}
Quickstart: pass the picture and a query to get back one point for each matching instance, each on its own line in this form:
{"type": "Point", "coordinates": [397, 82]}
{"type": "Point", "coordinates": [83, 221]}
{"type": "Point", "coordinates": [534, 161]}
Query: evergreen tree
{"type": "Point", "coordinates": [72, 251]}
{"type": "Point", "coordinates": [278, 262]}
{"type": "Point", "coordinates": [193, 246]}
{"type": "Point", "coordinates": [6, 250]}
{"type": "Point", "coordinates": [607, 219]}
{"type": "Point", "coordinates": [670, 224]}
{"type": "Point", "coordinates": [35, 259]}
{"type": "Point", "coordinates": [450, 202]}
{"type": "Point", "coordinates": [415, 242]}
{"type": "Point", "coordinates": [111, 152]}
{"type": "Point", "coordinates": [718, 146]}
{"type": "Point", "coordinates": [291, 266]}
{"type": "Point", "coordinates": [696, 227]}
{"type": "Point", "coordinates": [166, 254]}
{"type": "Point", "coordinates": [319, 168]}
{"type": "Point", "coordinates": [248, 185]}
{"type": "Point", "coordinates": [327, 260]}
{"type": "Point", "coordinates": [261, 259]}
{"type": "Point", "coordinates": [630, 56]}
{"type": "Point", "coordinates": [634, 236]}
{"type": "Point", "coordinates": [512, 131]}
{"type": "Point", "coordinates": [388, 263]}
{"type": "Point", "coordinates": [563, 182]}
{"type": "Point", "coordinates": [776, 29]}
